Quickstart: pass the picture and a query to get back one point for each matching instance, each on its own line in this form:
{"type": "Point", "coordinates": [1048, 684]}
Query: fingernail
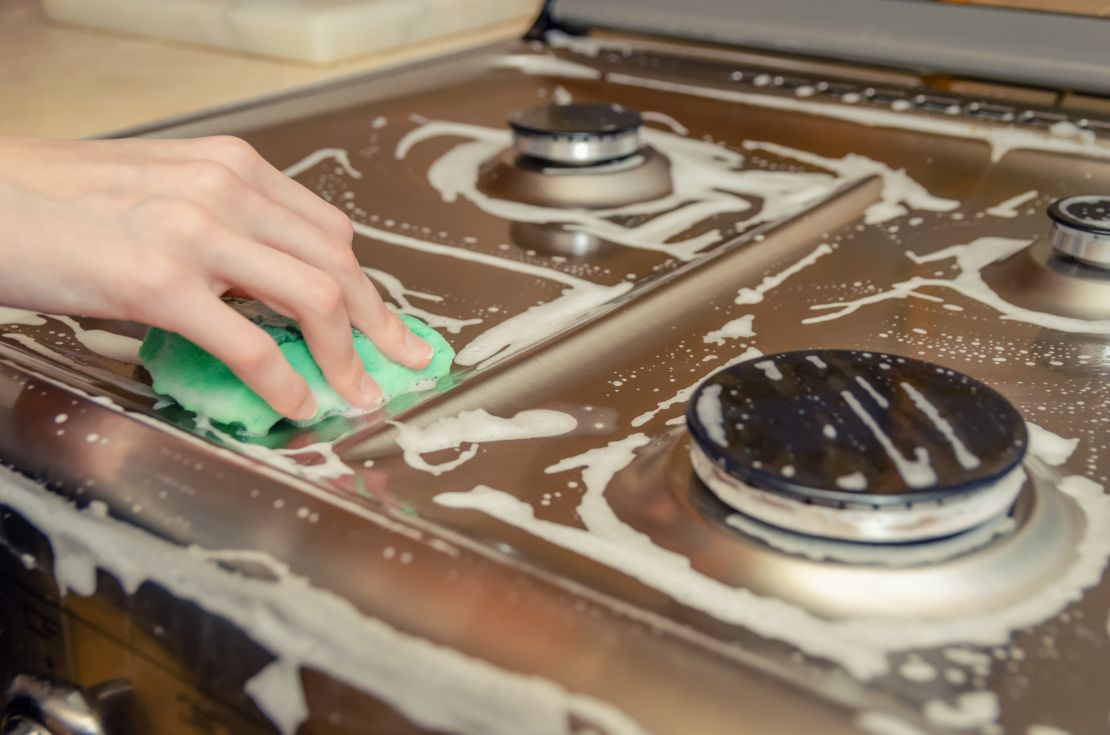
{"type": "Point", "coordinates": [419, 350]}
{"type": "Point", "coordinates": [306, 410]}
{"type": "Point", "coordinates": [371, 393]}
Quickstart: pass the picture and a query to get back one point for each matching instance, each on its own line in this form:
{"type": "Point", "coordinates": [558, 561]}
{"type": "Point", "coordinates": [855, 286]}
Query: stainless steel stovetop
{"type": "Point", "coordinates": [526, 547]}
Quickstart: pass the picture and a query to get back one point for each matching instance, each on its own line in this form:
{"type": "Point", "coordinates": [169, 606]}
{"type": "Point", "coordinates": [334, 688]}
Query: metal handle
{"type": "Point", "coordinates": [34, 706]}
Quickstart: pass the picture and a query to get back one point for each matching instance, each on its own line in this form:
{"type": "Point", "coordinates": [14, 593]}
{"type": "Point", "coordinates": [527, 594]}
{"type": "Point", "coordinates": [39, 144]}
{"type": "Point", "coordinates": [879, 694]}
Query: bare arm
{"type": "Point", "coordinates": [155, 231]}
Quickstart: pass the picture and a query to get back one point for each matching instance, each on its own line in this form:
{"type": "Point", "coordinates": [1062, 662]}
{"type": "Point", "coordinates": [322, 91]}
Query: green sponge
{"type": "Point", "coordinates": [204, 385]}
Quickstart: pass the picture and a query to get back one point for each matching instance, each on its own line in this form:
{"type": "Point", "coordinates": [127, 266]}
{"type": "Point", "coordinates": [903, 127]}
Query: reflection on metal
{"type": "Point", "coordinates": [35, 706]}
{"type": "Point", "coordinates": [642, 177]}
{"type": "Point", "coordinates": [1040, 279]}
{"type": "Point", "coordinates": [558, 240]}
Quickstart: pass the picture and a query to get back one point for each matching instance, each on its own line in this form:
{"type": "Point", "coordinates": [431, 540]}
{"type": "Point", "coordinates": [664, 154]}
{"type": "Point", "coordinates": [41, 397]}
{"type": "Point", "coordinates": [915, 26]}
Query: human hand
{"type": "Point", "coordinates": [155, 231]}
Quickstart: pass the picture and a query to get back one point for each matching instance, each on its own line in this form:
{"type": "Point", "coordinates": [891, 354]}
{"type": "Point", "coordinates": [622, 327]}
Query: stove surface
{"type": "Point", "coordinates": [547, 483]}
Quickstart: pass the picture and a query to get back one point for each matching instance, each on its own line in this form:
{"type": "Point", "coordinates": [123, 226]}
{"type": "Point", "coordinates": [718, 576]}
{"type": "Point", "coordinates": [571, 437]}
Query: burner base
{"type": "Point", "coordinates": [865, 523]}
{"type": "Point", "coordinates": [643, 177]}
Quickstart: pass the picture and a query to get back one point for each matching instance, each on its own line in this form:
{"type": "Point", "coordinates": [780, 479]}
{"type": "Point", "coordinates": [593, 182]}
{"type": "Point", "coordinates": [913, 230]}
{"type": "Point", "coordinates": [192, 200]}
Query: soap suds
{"type": "Point", "coordinates": [860, 645]}
{"type": "Point", "coordinates": [474, 428]}
{"type": "Point", "coordinates": [970, 258]}
{"type": "Point", "coordinates": [548, 66]}
{"type": "Point", "coordinates": [899, 192]}
{"type": "Point", "coordinates": [917, 472]}
{"type": "Point", "coordinates": [707, 182]}
{"type": "Point", "coordinates": [1009, 208]}
{"type": "Point", "coordinates": [306, 627]}
{"type": "Point", "coordinates": [755, 295]}
{"type": "Point", "coordinates": [709, 413]}
{"type": "Point", "coordinates": [399, 293]}
{"type": "Point", "coordinates": [324, 154]}
{"type": "Point", "coordinates": [738, 328]}
{"type": "Point", "coordinates": [966, 459]}
{"type": "Point", "coordinates": [970, 711]}
{"type": "Point", "coordinates": [770, 369]}
{"type": "Point", "coordinates": [855, 482]}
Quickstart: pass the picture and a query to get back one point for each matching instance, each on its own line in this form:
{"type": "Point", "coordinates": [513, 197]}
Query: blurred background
{"type": "Point", "coordinates": [82, 68]}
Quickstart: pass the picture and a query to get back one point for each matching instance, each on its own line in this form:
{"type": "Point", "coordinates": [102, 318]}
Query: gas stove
{"type": "Point", "coordinates": [780, 404]}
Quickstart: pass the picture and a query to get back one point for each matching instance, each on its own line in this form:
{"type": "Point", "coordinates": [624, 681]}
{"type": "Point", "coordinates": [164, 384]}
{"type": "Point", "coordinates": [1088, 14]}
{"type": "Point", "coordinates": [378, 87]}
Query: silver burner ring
{"type": "Point", "coordinates": [577, 134]}
{"type": "Point", "coordinates": [861, 523]}
{"type": "Point", "coordinates": [1081, 229]}
{"type": "Point", "coordinates": [572, 150]}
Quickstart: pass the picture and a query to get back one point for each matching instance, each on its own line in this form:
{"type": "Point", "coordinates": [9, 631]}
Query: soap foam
{"type": "Point", "coordinates": [970, 259]}
{"type": "Point", "coordinates": [306, 627]}
{"type": "Point", "coordinates": [475, 428]}
{"type": "Point", "coordinates": [860, 645]}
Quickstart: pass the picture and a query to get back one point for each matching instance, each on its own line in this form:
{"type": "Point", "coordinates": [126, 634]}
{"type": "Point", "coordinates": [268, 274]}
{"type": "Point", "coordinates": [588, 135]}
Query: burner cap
{"type": "Point", "coordinates": [796, 437]}
{"type": "Point", "coordinates": [1081, 228]}
{"type": "Point", "coordinates": [578, 134]}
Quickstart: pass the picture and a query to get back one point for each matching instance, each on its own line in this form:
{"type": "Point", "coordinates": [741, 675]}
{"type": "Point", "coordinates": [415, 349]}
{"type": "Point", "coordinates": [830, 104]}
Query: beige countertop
{"type": "Point", "coordinates": [64, 82]}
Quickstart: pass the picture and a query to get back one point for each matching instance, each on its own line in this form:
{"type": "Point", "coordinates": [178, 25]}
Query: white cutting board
{"type": "Point", "coordinates": [319, 31]}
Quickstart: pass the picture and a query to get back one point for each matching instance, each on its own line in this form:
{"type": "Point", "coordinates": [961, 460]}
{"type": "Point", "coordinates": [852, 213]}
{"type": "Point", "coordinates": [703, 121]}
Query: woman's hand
{"type": "Point", "coordinates": [155, 231]}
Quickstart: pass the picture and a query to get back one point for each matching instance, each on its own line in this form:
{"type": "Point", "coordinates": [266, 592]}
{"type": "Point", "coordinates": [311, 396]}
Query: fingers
{"type": "Point", "coordinates": [311, 297]}
{"type": "Point", "coordinates": [267, 222]}
{"type": "Point", "coordinates": [248, 351]}
{"type": "Point", "coordinates": [384, 328]}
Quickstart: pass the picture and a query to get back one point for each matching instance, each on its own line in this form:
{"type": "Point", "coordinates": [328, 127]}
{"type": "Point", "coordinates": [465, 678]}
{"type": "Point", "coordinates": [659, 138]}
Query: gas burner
{"type": "Point", "coordinates": [857, 446]}
{"type": "Point", "coordinates": [1067, 273]}
{"type": "Point", "coordinates": [1081, 229]}
{"type": "Point", "coordinates": [577, 135]}
{"type": "Point", "coordinates": [585, 156]}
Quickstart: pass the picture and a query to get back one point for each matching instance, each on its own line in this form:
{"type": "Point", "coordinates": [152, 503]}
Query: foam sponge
{"type": "Point", "coordinates": [204, 385]}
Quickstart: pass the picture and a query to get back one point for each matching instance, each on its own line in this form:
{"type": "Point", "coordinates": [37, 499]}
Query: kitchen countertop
{"type": "Point", "coordinates": [64, 82]}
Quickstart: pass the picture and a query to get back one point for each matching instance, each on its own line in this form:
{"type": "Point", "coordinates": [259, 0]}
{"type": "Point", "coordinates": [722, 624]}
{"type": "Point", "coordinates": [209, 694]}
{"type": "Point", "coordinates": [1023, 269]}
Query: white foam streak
{"type": "Point", "coordinates": [879, 398]}
{"type": "Point", "coordinates": [399, 293]}
{"type": "Point", "coordinates": [770, 369]}
{"type": "Point", "coordinates": [1009, 208]}
{"type": "Point", "coordinates": [899, 191]}
{"type": "Point", "coordinates": [475, 428]}
{"type": "Point", "coordinates": [738, 328]}
{"type": "Point", "coordinates": [548, 66]}
{"type": "Point", "coordinates": [684, 394]}
{"type": "Point", "coordinates": [9, 315]}
{"type": "Point", "coordinates": [306, 627]}
{"type": "Point", "coordinates": [538, 323]}
{"type": "Point", "coordinates": [706, 178]}
{"type": "Point", "coordinates": [917, 472]}
{"type": "Point", "coordinates": [113, 346]}
{"type": "Point", "coordinates": [970, 258]}
{"type": "Point", "coordinates": [755, 295]}
{"type": "Point", "coordinates": [860, 645]}
{"type": "Point", "coordinates": [710, 415]}
{"type": "Point", "coordinates": [324, 154]}
{"type": "Point", "coordinates": [966, 459]}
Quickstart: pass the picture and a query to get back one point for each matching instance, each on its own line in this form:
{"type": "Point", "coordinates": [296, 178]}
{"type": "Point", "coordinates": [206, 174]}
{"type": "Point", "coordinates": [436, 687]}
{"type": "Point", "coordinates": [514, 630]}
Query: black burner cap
{"type": "Point", "coordinates": [576, 120]}
{"type": "Point", "coordinates": [840, 427]}
{"type": "Point", "coordinates": [1090, 213]}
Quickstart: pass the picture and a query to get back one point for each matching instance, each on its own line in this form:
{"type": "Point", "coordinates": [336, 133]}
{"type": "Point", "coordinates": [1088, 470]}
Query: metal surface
{"type": "Point", "coordinates": [35, 706]}
{"type": "Point", "coordinates": [617, 618]}
{"type": "Point", "coordinates": [1010, 45]}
